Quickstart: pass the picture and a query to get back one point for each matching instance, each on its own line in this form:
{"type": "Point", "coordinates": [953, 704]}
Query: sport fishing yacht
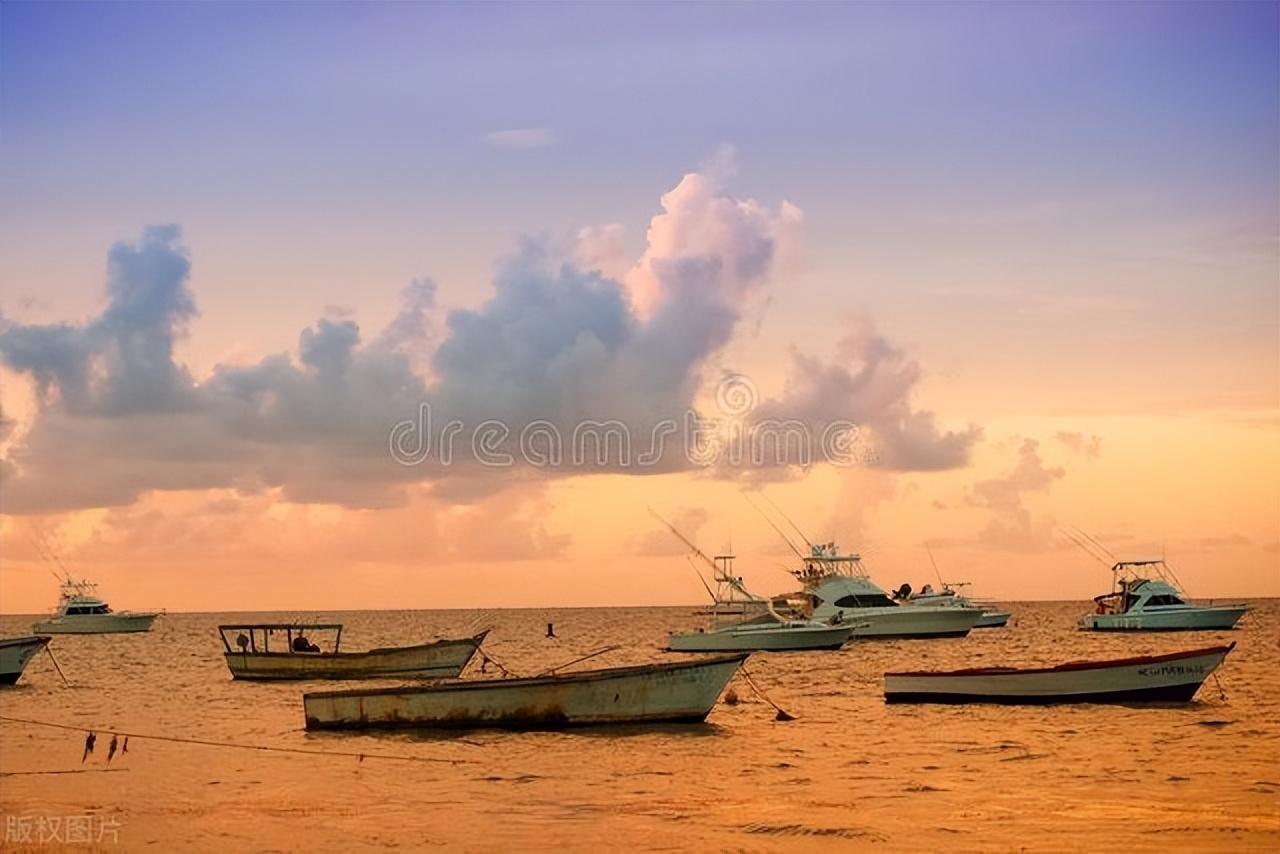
{"type": "Point", "coordinates": [1144, 598]}
{"type": "Point", "coordinates": [836, 587]}
{"type": "Point", "coordinates": [81, 611]}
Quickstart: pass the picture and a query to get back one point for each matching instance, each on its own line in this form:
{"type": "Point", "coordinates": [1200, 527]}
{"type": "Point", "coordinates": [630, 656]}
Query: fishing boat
{"type": "Point", "coordinates": [1153, 678]}
{"type": "Point", "coordinates": [744, 621]}
{"type": "Point", "coordinates": [649, 693]}
{"type": "Point", "coordinates": [81, 611]}
{"type": "Point", "coordinates": [15, 653]}
{"type": "Point", "coordinates": [992, 617]}
{"type": "Point", "coordinates": [311, 651]}
{"type": "Point", "coordinates": [1145, 598]}
{"type": "Point", "coordinates": [836, 587]}
{"type": "Point", "coordinates": [761, 635]}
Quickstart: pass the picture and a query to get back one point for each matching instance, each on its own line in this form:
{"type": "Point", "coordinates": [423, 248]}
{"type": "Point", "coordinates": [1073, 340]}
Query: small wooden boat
{"type": "Point", "coordinates": [15, 653]}
{"type": "Point", "coordinates": [1153, 678]}
{"type": "Point", "coordinates": [649, 693]}
{"type": "Point", "coordinates": [299, 654]}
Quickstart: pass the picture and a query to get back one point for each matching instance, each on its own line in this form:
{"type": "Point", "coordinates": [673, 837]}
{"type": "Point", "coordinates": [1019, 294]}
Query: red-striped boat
{"type": "Point", "coordinates": [1174, 677]}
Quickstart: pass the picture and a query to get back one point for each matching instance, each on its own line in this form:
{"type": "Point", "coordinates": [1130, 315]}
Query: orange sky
{"type": "Point", "coordinates": [1024, 262]}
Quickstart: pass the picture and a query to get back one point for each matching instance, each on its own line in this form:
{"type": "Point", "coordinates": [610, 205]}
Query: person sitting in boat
{"type": "Point", "coordinates": [301, 644]}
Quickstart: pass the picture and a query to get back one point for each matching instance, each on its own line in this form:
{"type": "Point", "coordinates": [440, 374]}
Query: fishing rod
{"type": "Point", "coordinates": [793, 525]}
{"type": "Point", "coordinates": [775, 527]}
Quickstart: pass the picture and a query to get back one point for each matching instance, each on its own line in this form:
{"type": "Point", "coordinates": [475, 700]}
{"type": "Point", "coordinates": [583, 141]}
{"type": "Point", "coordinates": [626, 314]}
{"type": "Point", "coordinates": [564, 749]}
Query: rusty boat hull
{"type": "Point", "coordinates": [665, 692]}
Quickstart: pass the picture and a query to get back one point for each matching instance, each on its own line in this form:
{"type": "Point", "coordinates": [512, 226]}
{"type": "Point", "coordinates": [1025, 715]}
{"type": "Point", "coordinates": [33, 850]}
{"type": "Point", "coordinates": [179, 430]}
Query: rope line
{"type": "Point", "coordinates": [212, 743]}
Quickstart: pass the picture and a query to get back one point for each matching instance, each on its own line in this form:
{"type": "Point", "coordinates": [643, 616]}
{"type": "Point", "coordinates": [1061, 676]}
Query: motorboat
{"type": "Point", "coordinates": [650, 693]}
{"type": "Point", "coordinates": [745, 621]}
{"type": "Point", "coordinates": [836, 587]}
{"type": "Point", "coordinates": [311, 651]}
{"type": "Point", "coordinates": [761, 635]}
{"type": "Point", "coordinates": [81, 611]}
{"type": "Point", "coordinates": [949, 597]}
{"type": "Point", "coordinates": [16, 652]}
{"type": "Point", "coordinates": [1145, 597]}
{"type": "Point", "coordinates": [1174, 677]}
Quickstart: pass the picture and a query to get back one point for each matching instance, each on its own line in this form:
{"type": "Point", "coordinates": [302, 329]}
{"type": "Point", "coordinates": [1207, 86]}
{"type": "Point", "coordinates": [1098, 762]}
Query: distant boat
{"type": "Point", "coordinates": [15, 653]}
{"type": "Point", "coordinates": [1143, 598]}
{"type": "Point", "coordinates": [948, 597]}
{"type": "Point", "coordinates": [1169, 678]}
{"type": "Point", "coordinates": [81, 611]}
{"type": "Point", "coordinates": [648, 693]}
{"type": "Point", "coordinates": [836, 586]}
{"type": "Point", "coordinates": [746, 622]}
{"type": "Point", "coordinates": [297, 655]}
{"type": "Point", "coordinates": [761, 636]}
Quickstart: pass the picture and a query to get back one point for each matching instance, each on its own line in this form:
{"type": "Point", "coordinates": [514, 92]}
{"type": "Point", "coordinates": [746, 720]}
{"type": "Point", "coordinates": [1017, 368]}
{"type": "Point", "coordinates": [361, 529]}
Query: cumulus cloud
{"type": "Point", "coordinates": [1089, 447]}
{"type": "Point", "coordinates": [867, 386]}
{"type": "Point", "coordinates": [578, 362]}
{"type": "Point", "coordinates": [1012, 524]}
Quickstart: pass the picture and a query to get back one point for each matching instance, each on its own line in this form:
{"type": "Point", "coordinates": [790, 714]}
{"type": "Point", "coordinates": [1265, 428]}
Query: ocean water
{"type": "Point", "coordinates": [220, 766]}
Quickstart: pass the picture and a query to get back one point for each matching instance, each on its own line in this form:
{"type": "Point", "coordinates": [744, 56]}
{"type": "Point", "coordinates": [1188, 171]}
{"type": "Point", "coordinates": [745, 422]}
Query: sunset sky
{"type": "Point", "coordinates": [316, 306]}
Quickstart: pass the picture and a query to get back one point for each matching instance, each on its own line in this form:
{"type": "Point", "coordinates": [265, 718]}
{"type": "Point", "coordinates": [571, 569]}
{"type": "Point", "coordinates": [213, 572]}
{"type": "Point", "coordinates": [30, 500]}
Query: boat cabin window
{"type": "Point", "coordinates": [88, 609]}
{"type": "Point", "coordinates": [866, 600]}
{"type": "Point", "coordinates": [1164, 599]}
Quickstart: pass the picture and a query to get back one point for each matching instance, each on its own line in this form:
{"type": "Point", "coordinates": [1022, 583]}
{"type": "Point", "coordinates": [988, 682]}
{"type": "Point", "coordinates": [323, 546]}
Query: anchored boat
{"type": "Point", "coordinates": [836, 586]}
{"type": "Point", "coordinates": [15, 653]}
{"type": "Point", "coordinates": [1170, 678]}
{"type": "Point", "coordinates": [81, 611]}
{"type": "Point", "coordinates": [992, 617]}
{"type": "Point", "coordinates": [757, 627]}
{"type": "Point", "coordinates": [649, 693]}
{"type": "Point", "coordinates": [310, 651]}
{"type": "Point", "coordinates": [1144, 598]}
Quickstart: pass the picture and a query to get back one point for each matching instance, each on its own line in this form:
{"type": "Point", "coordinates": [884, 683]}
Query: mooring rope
{"type": "Point", "coordinates": [211, 743]}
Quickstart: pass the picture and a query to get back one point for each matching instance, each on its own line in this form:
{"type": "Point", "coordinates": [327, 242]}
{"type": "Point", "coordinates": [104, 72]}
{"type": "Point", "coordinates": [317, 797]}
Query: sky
{"type": "Point", "coordinates": [322, 306]}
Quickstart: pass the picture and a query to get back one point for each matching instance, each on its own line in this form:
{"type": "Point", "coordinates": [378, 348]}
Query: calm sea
{"type": "Point", "coordinates": [847, 774]}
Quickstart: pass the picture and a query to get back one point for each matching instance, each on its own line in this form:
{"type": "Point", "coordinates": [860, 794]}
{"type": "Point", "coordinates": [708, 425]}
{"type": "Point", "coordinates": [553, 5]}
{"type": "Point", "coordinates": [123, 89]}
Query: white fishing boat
{"type": "Point", "coordinates": [1144, 598]}
{"type": "Point", "coordinates": [15, 653]}
{"type": "Point", "coordinates": [1153, 678]}
{"type": "Point", "coordinates": [836, 587]}
{"type": "Point", "coordinates": [649, 693]}
{"type": "Point", "coordinates": [762, 635]}
{"type": "Point", "coordinates": [311, 651]}
{"type": "Point", "coordinates": [81, 611]}
{"type": "Point", "coordinates": [948, 597]}
{"type": "Point", "coordinates": [744, 621]}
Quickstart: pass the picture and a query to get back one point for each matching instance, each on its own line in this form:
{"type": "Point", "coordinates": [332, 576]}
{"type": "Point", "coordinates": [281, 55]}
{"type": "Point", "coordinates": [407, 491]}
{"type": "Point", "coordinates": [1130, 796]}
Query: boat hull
{"type": "Point", "coordinates": [1173, 678]}
{"type": "Point", "coordinates": [761, 639]}
{"type": "Point", "coordinates": [666, 692]}
{"type": "Point", "coordinates": [95, 624]}
{"type": "Point", "coordinates": [1171, 620]}
{"type": "Point", "coordinates": [910, 621]}
{"type": "Point", "coordinates": [440, 660]}
{"type": "Point", "coordinates": [992, 620]}
{"type": "Point", "coordinates": [14, 655]}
